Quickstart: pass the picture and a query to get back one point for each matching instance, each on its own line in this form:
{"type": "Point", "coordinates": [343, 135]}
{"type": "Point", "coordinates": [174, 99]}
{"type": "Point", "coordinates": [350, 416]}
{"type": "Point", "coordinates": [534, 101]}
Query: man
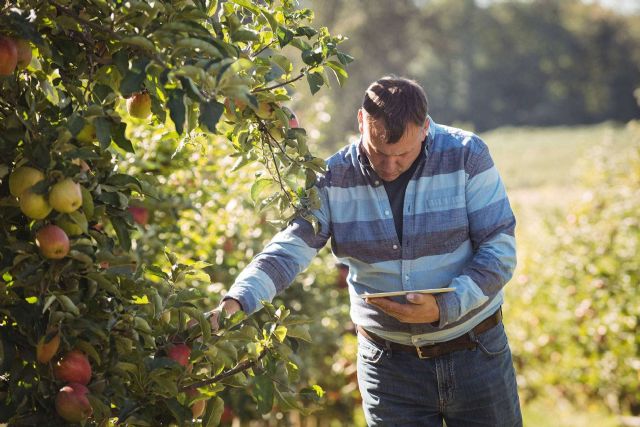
{"type": "Point", "coordinates": [413, 205]}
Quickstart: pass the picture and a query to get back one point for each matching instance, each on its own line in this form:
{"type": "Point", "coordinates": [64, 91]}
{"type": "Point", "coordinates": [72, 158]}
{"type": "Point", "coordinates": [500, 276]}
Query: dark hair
{"type": "Point", "coordinates": [396, 101]}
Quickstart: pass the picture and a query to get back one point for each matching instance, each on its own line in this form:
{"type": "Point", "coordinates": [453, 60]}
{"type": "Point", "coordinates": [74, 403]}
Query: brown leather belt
{"type": "Point", "coordinates": [434, 350]}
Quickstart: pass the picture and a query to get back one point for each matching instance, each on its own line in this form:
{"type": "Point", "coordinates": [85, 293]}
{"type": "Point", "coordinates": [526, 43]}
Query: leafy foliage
{"type": "Point", "coordinates": [586, 342]}
{"type": "Point", "coordinates": [221, 73]}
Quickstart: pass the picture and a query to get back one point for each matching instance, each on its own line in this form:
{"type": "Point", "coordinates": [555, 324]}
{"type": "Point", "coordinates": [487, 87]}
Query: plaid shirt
{"type": "Point", "coordinates": [458, 231]}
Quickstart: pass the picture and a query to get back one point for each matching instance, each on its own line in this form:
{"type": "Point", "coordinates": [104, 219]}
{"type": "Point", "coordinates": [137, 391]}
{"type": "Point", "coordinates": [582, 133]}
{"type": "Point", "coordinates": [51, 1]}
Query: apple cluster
{"type": "Point", "coordinates": [14, 53]}
{"type": "Point", "coordinates": [65, 196]}
{"type": "Point", "coordinates": [74, 369]}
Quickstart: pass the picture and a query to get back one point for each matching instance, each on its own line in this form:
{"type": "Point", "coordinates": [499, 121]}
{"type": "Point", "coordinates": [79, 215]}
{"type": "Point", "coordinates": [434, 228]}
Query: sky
{"type": "Point", "coordinates": [622, 6]}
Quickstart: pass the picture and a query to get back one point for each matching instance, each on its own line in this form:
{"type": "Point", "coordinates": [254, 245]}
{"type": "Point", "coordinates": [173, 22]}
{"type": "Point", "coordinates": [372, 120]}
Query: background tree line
{"type": "Point", "coordinates": [534, 63]}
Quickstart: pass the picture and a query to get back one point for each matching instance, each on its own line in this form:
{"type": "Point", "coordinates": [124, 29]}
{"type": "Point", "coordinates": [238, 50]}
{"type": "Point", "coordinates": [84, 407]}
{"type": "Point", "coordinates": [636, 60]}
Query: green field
{"type": "Point", "coordinates": [543, 169]}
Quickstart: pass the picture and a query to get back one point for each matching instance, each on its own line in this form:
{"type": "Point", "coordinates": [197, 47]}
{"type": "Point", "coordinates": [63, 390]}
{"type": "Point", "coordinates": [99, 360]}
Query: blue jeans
{"type": "Point", "coordinates": [464, 388]}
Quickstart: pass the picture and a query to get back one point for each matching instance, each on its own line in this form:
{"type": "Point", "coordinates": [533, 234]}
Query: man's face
{"type": "Point", "coordinates": [389, 161]}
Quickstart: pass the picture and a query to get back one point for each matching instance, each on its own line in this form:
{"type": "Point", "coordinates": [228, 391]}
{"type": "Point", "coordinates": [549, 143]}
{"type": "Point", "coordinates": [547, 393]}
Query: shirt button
{"type": "Point", "coordinates": [406, 276]}
{"type": "Point", "coordinates": [386, 213]}
{"type": "Point", "coordinates": [377, 183]}
{"type": "Point", "coordinates": [395, 246]}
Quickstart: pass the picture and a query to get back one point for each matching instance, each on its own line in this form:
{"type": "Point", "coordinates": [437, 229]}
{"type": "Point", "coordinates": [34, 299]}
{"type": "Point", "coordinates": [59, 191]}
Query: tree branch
{"type": "Point", "coordinates": [240, 367]}
{"type": "Point", "coordinates": [264, 89]}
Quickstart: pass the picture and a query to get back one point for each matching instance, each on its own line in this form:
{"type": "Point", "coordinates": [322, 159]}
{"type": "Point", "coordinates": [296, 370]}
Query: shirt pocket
{"type": "Point", "coordinates": [447, 223]}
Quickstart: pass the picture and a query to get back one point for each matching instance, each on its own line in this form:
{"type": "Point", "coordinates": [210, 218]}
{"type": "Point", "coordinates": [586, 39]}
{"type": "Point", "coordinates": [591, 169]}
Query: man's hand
{"type": "Point", "coordinates": [230, 306]}
{"type": "Point", "coordinates": [422, 308]}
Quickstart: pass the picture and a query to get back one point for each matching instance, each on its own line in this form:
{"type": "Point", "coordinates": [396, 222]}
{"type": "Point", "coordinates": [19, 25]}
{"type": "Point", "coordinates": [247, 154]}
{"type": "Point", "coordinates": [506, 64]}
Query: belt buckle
{"type": "Point", "coordinates": [420, 355]}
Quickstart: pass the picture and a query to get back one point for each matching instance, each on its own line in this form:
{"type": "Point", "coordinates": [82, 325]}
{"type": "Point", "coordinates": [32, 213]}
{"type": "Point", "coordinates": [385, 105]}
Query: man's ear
{"type": "Point", "coordinates": [360, 120]}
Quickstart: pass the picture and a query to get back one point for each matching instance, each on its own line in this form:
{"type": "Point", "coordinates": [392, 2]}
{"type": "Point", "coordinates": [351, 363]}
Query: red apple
{"type": "Point", "coordinates": [8, 56]}
{"type": "Point", "coordinates": [45, 350]}
{"type": "Point", "coordinates": [139, 105]}
{"type": "Point", "coordinates": [24, 53]}
{"type": "Point", "coordinates": [197, 408]}
{"type": "Point", "coordinates": [227, 415]}
{"type": "Point", "coordinates": [228, 245]}
{"type": "Point", "coordinates": [140, 214]}
{"type": "Point", "coordinates": [180, 353]}
{"type": "Point", "coordinates": [293, 121]}
{"type": "Point", "coordinates": [73, 367]}
{"type": "Point", "coordinates": [52, 241]}
{"type": "Point", "coordinates": [34, 205]}
{"type": "Point", "coordinates": [72, 403]}
{"type": "Point", "coordinates": [24, 178]}
{"type": "Point", "coordinates": [66, 196]}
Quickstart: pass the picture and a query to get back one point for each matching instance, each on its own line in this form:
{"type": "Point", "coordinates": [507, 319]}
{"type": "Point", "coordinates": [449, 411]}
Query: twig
{"type": "Point", "coordinates": [242, 366]}
{"type": "Point", "coordinates": [275, 165]}
{"type": "Point", "coordinates": [262, 49]}
{"type": "Point", "coordinates": [264, 89]}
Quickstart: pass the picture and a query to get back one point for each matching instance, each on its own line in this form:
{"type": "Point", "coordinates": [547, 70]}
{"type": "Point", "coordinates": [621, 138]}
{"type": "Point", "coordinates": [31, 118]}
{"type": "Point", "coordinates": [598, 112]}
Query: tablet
{"type": "Point", "coordinates": [396, 293]}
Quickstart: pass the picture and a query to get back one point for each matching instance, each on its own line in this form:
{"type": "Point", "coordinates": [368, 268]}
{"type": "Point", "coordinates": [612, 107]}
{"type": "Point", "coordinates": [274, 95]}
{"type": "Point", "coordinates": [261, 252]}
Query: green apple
{"type": "Point", "coordinates": [139, 105]}
{"type": "Point", "coordinates": [264, 111]}
{"type": "Point", "coordinates": [87, 134]}
{"type": "Point", "coordinates": [34, 205]}
{"type": "Point", "coordinates": [23, 178]}
{"type": "Point", "coordinates": [66, 196]}
{"type": "Point", "coordinates": [69, 226]}
{"type": "Point", "coordinates": [24, 53]}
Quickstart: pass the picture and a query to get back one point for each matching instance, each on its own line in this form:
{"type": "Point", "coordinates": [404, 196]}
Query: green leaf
{"type": "Point", "coordinates": [140, 41]}
{"type": "Point", "coordinates": [273, 23]}
{"type": "Point", "coordinates": [103, 131]}
{"type": "Point", "coordinates": [259, 186]}
{"type": "Point", "coordinates": [68, 305]}
{"type": "Point", "coordinates": [300, 332]}
{"type": "Point", "coordinates": [125, 181]}
{"type": "Point", "coordinates": [315, 80]}
{"type": "Point", "coordinates": [89, 350]}
{"type": "Point", "coordinates": [306, 31]}
{"type": "Point", "coordinates": [245, 35]}
{"type": "Point", "coordinates": [122, 231]}
{"type": "Point", "coordinates": [80, 219]}
{"type": "Point", "coordinates": [312, 57]}
{"type": "Point", "coordinates": [247, 5]}
{"type": "Point", "coordinates": [263, 394]}
{"type": "Point", "coordinates": [339, 72]}
{"type": "Point", "coordinates": [280, 333]}
{"type": "Point", "coordinates": [119, 137]}
{"type": "Point", "coordinates": [134, 79]}
{"type": "Point", "coordinates": [210, 113]}
{"type": "Point", "coordinates": [285, 36]}
{"type": "Point", "coordinates": [87, 202]}
{"type": "Point", "coordinates": [177, 109]}
{"type": "Point", "coordinates": [283, 62]}
{"type": "Point", "coordinates": [213, 413]}
{"type": "Point", "coordinates": [313, 393]}
{"type": "Point", "coordinates": [344, 58]}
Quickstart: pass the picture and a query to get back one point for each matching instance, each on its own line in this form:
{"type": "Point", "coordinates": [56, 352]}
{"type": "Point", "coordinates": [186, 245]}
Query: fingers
{"type": "Point", "coordinates": [422, 308]}
{"type": "Point", "coordinates": [392, 308]}
{"type": "Point", "coordinates": [213, 316]}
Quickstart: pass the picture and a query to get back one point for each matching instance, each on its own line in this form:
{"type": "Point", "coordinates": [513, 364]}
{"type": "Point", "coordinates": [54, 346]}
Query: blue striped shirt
{"type": "Point", "coordinates": [458, 231]}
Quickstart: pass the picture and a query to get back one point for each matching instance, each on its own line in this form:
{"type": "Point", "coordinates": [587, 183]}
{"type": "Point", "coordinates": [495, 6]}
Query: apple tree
{"type": "Point", "coordinates": [92, 329]}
